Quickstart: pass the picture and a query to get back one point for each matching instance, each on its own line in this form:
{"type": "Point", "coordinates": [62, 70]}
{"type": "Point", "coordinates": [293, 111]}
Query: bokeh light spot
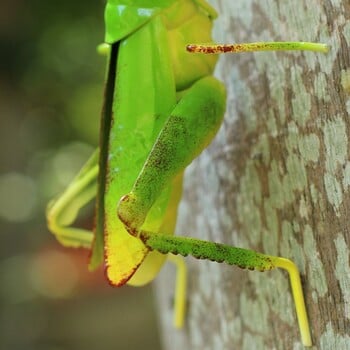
{"type": "Point", "coordinates": [54, 275]}
{"type": "Point", "coordinates": [18, 197]}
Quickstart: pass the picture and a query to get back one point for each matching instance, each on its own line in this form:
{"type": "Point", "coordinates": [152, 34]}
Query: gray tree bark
{"type": "Point", "coordinates": [276, 179]}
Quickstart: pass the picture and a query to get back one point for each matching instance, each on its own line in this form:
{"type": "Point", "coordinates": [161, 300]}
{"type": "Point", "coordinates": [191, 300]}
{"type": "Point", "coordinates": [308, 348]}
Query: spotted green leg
{"type": "Point", "coordinates": [179, 141]}
{"type": "Point", "coordinates": [243, 258]}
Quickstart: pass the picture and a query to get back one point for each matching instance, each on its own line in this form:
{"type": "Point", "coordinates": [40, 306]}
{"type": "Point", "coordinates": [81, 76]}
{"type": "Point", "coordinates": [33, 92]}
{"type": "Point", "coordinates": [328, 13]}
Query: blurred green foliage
{"type": "Point", "coordinates": [51, 90]}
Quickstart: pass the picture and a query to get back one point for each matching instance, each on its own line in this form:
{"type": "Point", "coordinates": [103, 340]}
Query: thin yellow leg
{"type": "Point", "coordinates": [180, 289]}
{"type": "Point", "coordinates": [298, 298]}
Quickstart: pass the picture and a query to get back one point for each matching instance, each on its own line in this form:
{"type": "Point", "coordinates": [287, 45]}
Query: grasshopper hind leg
{"type": "Point", "coordinates": [246, 259]}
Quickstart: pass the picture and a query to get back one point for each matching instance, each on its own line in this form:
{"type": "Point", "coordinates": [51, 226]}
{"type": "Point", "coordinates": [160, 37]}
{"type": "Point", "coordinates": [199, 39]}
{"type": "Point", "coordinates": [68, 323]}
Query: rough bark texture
{"type": "Point", "coordinates": [276, 179]}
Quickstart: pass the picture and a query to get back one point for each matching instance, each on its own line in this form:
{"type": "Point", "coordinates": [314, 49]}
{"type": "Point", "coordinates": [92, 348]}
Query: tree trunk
{"type": "Point", "coordinates": [276, 179]}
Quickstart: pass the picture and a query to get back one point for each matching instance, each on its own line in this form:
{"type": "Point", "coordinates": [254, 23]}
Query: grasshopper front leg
{"type": "Point", "coordinates": [62, 212]}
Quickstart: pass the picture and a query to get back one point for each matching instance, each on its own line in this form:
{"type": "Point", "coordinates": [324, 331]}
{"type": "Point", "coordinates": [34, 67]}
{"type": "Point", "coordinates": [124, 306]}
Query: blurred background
{"type": "Point", "coordinates": [51, 87]}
